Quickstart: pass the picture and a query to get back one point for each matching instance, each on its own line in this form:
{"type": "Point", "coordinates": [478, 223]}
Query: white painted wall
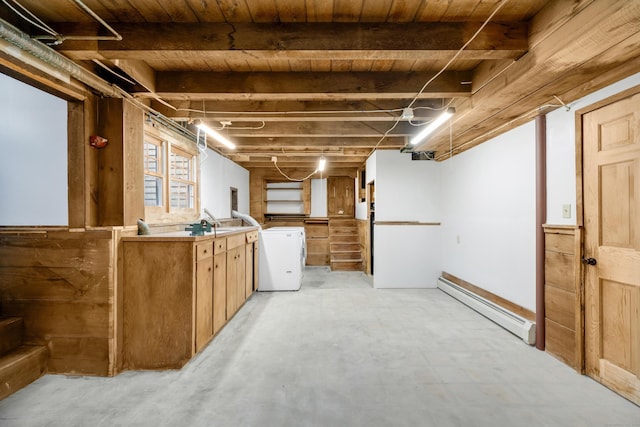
{"type": "Point", "coordinates": [218, 174]}
{"type": "Point", "coordinates": [561, 143]}
{"type": "Point", "coordinates": [406, 190]}
{"type": "Point", "coordinates": [33, 156]}
{"type": "Point", "coordinates": [319, 198]}
{"type": "Point", "coordinates": [488, 232]}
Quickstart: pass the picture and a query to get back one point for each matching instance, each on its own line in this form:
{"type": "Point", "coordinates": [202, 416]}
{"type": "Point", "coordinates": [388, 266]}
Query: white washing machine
{"type": "Point", "coordinates": [283, 252]}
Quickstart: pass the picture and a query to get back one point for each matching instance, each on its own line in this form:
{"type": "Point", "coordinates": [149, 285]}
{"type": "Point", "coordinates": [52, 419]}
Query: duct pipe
{"type": "Point", "coordinates": [51, 57]}
{"type": "Point", "coordinates": [541, 214]}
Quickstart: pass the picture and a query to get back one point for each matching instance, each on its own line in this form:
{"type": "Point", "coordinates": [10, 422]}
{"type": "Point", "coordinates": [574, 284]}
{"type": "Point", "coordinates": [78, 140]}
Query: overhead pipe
{"type": "Point", "coordinates": [541, 214]}
{"type": "Point", "coordinates": [16, 37]}
{"type": "Point", "coordinates": [60, 38]}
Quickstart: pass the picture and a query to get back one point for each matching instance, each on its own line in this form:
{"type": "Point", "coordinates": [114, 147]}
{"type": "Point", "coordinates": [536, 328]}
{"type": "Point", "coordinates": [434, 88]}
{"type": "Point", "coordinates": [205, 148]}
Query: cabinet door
{"type": "Point", "coordinates": [219, 291]}
{"type": "Point", "coordinates": [241, 274]}
{"type": "Point", "coordinates": [255, 265]}
{"type": "Point", "coordinates": [204, 302]}
{"type": "Point", "coordinates": [232, 280]}
{"type": "Point", "coordinates": [248, 275]}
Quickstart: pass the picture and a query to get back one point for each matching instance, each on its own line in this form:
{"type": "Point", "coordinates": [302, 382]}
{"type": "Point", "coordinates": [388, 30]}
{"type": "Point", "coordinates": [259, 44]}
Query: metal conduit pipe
{"type": "Point", "coordinates": [53, 58]}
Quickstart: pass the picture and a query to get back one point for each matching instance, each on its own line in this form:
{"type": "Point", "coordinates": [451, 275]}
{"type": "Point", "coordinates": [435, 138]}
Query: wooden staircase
{"type": "Point", "coordinates": [20, 364]}
{"type": "Point", "coordinates": [344, 245]}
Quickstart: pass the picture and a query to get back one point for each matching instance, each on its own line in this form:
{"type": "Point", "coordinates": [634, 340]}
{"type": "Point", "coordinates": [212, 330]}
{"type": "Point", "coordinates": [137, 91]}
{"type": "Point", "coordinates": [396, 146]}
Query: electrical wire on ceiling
{"type": "Point", "coordinates": [275, 163]}
{"type": "Point", "coordinates": [34, 20]}
{"type": "Point", "coordinates": [286, 113]}
{"type": "Point", "coordinates": [228, 125]}
{"type": "Point", "coordinates": [494, 130]}
{"type": "Point", "coordinates": [55, 37]}
{"type": "Point", "coordinates": [444, 68]}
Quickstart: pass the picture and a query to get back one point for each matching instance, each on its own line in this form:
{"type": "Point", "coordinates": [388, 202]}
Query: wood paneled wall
{"type": "Point", "coordinates": [317, 234]}
{"type": "Point", "coordinates": [563, 294]}
{"type": "Point", "coordinates": [120, 189]}
{"type": "Point", "coordinates": [365, 246]}
{"type": "Point", "coordinates": [62, 283]}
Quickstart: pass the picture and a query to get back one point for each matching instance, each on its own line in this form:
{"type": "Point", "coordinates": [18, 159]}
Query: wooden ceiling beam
{"type": "Point", "coordinates": [327, 142]}
{"type": "Point", "coordinates": [303, 167]}
{"type": "Point", "coordinates": [591, 41]}
{"type": "Point", "coordinates": [321, 129]}
{"type": "Point", "coordinates": [335, 41]}
{"type": "Point", "coordinates": [328, 152]}
{"type": "Point", "coordinates": [251, 111]}
{"type": "Point", "coordinates": [308, 85]}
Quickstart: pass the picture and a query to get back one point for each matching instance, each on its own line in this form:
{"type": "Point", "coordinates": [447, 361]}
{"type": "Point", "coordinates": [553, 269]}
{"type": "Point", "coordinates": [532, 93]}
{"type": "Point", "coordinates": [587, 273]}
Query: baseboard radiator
{"type": "Point", "coordinates": [517, 325]}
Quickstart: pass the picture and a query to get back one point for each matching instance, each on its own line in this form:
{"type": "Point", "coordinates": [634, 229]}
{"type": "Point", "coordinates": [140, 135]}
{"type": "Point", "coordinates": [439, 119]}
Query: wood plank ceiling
{"type": "Point", "coordinates": [298, 79]}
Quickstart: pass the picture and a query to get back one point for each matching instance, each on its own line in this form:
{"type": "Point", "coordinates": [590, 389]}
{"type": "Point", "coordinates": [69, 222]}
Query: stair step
{"type": "Point", "coordinates": [345, 239]}
{"type": "Point", "coordinates": [346, 256]}
{"type": "Point", "coordinates": [10, 334]}
{"type": "Point", "coordinates": [21, 367]}
{"type": "Point", "coordinates": [343, 223]}
{"type": "Point", "coordinates": [344, 246]}
{"type": "Point", "coordinates": [341, 231]}
{"type": "Point", "coordinates": [346, 265]}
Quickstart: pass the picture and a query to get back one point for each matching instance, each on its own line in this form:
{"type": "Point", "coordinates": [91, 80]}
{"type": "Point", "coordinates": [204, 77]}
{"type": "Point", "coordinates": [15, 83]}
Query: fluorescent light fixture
{"type": "Point", "coordinates": [322, 163]}
{"type": "Point", "coordinates": [433, 125]}
{"type": "Point", "coordinates": [215, 135]}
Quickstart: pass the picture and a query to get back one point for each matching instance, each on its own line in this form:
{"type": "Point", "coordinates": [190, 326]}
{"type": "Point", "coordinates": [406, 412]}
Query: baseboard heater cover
{"type": "Point", "coordinates": [517, 325]}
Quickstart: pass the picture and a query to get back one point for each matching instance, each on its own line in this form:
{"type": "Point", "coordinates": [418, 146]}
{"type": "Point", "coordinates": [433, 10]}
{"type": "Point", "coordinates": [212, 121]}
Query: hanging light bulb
{"type": "Point", "coordinates": [322, 163]}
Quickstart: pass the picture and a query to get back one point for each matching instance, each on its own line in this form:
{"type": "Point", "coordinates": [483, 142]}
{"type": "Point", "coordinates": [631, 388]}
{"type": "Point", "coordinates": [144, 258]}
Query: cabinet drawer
{"type": "Point", "coordinates": [252, 236]}
{"type": "Point", "coordinates": [235, 241]}
{"type": "Point", "coordinates": [219, 246]}
{"type": "Point", "coordinates": [203, 251]}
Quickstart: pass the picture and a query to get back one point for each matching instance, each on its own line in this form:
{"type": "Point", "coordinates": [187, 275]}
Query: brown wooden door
{"type": "Point", "coordinates": [612, 238]}
{"type": "Point", "coordinates": [340, 196]}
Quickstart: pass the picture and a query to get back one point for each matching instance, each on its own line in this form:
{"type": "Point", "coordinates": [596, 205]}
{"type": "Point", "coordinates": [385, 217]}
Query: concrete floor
{"type": "Point", "coordinates": [338, 353]}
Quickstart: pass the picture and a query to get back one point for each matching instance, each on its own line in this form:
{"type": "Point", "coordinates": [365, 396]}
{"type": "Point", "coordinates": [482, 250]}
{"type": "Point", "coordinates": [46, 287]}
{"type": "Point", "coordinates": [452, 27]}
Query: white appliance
{"type": "Point", "coordinates": [283, 254]}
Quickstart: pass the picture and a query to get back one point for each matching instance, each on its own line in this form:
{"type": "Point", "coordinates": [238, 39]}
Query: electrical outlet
{"type": "Point", "coordinates": [274, 159]}
{"type": "Point", "coordinates": [566, 211]}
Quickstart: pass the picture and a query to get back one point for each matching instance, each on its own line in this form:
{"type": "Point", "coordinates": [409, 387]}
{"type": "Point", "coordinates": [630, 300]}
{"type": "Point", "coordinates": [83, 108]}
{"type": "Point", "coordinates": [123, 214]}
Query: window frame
{"type": "Point", "coordinates": [172, 143]}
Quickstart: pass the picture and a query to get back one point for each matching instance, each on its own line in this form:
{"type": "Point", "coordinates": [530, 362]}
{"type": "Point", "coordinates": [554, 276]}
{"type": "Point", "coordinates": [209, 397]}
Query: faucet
{"type": "Point", "coordinates": [213, 221]}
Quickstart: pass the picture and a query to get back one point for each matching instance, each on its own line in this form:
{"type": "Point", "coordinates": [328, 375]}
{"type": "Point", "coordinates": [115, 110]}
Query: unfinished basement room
{"type": "Point", "coordinates": [320, 213]}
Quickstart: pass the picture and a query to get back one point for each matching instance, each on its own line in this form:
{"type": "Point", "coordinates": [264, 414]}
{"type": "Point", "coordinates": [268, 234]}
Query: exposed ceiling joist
{"type": "Point", "coordinates": [320, 129]}
{"type": "Point", "coordinates": [282, 111]}
{"type": "Point", "coordinates": [309, 85]}
{"type": "Point", "coordinates": [333, 41]}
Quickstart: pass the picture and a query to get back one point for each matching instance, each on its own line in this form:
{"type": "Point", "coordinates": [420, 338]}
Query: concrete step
{"type": "Point", "coordinates": [21, 367]}
{"type": "Point", "coordinates": [10, 334]}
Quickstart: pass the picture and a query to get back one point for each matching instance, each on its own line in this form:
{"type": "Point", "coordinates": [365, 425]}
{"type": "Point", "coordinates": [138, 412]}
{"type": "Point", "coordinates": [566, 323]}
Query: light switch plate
{"type": "Point", "coordinates": [566, 211]}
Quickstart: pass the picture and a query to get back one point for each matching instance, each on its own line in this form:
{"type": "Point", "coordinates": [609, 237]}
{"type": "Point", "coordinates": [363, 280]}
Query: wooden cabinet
{"type": "Point", "coordinates": [251, 261]}
{"type": "Point", "coordinates": [178, 292]}
{"type": "Point", "coordinates": [236, 257]}
{"type": "Point", "coordinates": [219, 285]}
{"type": "Point", "coordinates": [204, 294]}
